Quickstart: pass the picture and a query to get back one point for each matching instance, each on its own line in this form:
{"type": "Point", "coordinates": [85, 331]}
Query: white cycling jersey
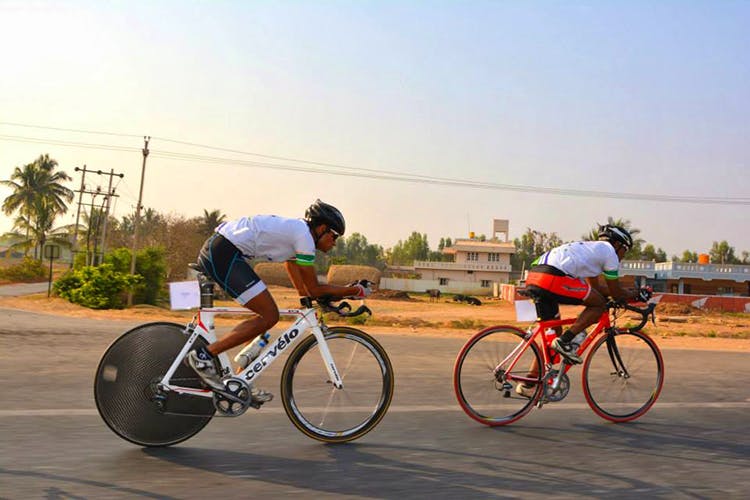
{"type": "Point", "coordinates": [272, 238]}
{"type": "Point", "coordinates": [584, 259]}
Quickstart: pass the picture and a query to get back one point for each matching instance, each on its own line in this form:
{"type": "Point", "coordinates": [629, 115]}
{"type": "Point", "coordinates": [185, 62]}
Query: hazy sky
{"type": "Point", "coordinates": [624, 97]}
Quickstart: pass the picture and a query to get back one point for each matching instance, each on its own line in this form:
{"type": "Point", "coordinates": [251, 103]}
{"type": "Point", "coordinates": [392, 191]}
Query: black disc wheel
{"type": "Point", "coordinates": [326, 413]}
{"type": "Point", "coordinates": [126, 392]}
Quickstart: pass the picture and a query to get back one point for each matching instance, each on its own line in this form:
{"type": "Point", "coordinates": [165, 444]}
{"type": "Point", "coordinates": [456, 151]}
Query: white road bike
{"type": "Point", "coordinates": [336, 385]}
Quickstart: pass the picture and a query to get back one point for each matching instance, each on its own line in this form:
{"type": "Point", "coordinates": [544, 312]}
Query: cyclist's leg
{"type": "Point", "coordinates": [555, 285]}
{"type": "Point", "coordinates": [226, 265]}
{"type": "Point", "coordinates": [267, 316]}
{"type": "Point", "coordinates": [595, 305]}
{"type": "Point", "coordinates": [546, 309]}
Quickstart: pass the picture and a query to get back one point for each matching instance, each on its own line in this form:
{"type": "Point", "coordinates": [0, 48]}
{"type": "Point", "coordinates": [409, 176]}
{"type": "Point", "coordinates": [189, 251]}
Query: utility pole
{"type": "Point", "coordinates": [78, 213]}
{"type": "Point", "coordinates": [137, 219]}
{"type": "Point", "coordinates": [110, 193]}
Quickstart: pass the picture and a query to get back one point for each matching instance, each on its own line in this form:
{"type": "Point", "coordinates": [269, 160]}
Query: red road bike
{"type": "Point", "coordinates": [623, 371]}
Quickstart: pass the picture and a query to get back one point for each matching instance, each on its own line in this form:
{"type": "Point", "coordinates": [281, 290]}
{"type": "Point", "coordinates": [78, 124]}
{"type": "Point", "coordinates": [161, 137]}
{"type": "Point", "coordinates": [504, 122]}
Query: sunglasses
{"type": "Point", "coordinates": [334, 234]}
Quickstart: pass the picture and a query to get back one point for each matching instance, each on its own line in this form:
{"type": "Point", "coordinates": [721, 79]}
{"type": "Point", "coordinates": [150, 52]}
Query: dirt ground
{"type": "Point", "coordinates": [676, 325]}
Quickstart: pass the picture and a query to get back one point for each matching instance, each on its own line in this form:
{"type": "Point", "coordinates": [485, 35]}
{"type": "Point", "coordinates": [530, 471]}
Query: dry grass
{"type": "Point", "coordinates": [419, 316]}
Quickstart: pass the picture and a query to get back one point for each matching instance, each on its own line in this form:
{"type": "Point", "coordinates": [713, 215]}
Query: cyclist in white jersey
{"type": "Point", "coordinates": [569, 274]}
{"type": "Point", "coordinates": [277, 239]}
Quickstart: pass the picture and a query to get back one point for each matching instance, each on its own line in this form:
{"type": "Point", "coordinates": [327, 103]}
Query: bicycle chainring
{"type": "Point", "coordinates": [230, 407]}
{"type": "Point", "coordinates": [551, 395]}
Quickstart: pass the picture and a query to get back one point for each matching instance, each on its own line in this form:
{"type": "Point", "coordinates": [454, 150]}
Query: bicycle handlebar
{"type": "Point", "coordinates": [645, 312]}
{"type": "Point", "coordinates": [343, 308]}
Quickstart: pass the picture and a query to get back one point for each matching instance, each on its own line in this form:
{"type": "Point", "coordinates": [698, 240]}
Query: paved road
{"type": "Point", "coordinates": [22, 289]}
{"type": "Point", "coordinates": [694, 443]}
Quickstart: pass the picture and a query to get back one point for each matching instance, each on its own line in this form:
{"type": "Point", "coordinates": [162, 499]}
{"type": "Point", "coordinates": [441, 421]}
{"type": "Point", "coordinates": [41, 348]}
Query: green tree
{"type": "Point", "coordinates": [650, 253]}
{"type": "Point", "coordinates": [723, 253]}
{"type": "Point", "coordinates": [209, 221]}
{"type": "Point", "coordinates": [687, 256]}
{"type": "Point", "coordinates": [355, 250]}
{"type": "Point", "coordinates": [444, 243]}
{"type": "Point", "coordinates": [531, 245]}
{"type": "Point", "coordinates": [39, 197]}
{"type": "Point", "coordinates": [635, 252]}
{"type": "Point", "coordinates": [406, 252]}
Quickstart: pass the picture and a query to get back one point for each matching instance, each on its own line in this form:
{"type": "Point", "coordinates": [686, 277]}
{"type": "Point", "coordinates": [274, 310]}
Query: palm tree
{"type": "Point", "coordinates": [209, 221]}
{"type": "Point", "coordinates": [635, 252]}
{"type": "Point", "coordinates": [38, 196]}
{"type": "Point", "coordinates": [39, 231]}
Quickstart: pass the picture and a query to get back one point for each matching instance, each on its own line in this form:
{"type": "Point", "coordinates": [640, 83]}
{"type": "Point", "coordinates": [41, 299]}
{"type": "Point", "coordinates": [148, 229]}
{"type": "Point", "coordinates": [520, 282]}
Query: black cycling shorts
{"type": "Point", "coordinates": [226, 265]}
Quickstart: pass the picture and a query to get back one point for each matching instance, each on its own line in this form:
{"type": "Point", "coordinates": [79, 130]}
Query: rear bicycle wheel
{"type": "Point", "coordinates": [124, 392]}
{"type": "Point", "coordinates": [482, 381]}
{"type": "Point", "coordinates": [623, 375]}
{"type": "Point", "coordinates": [333, 415]}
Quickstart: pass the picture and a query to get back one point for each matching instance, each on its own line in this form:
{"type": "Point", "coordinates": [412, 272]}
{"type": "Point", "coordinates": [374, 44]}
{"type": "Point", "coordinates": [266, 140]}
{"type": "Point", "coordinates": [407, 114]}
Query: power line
{"type": "Point", "coordinates": [348, 171]}
{"type": "Point", "coordinates": [458, 182]}
{"type": "Point", "coordinates": [61, 129]}
{"type": "Point", "coordinates": [36, 140]}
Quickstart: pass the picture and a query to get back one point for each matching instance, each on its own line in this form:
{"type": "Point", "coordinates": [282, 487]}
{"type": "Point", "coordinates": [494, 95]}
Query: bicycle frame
{"type": "Point", "coordinates": [203, 325]}
{"type": "Point", "coordinates": [602, 325]}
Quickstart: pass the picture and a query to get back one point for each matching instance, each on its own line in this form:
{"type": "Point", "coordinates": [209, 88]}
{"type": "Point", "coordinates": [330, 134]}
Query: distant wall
{"type": "Point", "coordinates": [407, 285]}
{"type": "Point", "coordinates": [708, 302]}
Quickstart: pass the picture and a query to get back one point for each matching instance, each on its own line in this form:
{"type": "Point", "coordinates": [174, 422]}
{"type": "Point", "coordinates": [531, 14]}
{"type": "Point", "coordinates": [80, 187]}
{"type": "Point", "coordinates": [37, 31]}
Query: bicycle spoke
{"type": "Point", "coordinates": [321, 410]}
{"type": "Point", "coordinates": [485, 395]}
{"type": "Point", "coordinates": [610, 393]}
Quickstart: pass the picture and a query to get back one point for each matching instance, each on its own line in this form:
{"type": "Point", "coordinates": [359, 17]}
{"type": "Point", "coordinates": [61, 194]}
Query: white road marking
{"type": "Point", "coordinates": [88, 412]}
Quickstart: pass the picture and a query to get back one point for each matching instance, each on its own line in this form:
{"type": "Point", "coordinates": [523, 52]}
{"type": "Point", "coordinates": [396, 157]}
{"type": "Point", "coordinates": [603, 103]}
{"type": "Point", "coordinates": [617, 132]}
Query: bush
{"type": "Point", "coordinates": [96, 287]}
{"type": "Point", "coordinates": [150, 263]}
{"type": "Point", "coordinates": [27, 270]}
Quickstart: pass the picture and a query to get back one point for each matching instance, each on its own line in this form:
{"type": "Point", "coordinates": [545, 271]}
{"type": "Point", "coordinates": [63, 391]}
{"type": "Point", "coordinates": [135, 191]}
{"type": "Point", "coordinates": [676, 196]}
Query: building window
{"type": "Point", "coordinates": [674, 288]}
{"type": "Point", "coordinates": [443, 281]}
{"type": "Point", "coordinates": [725, 290]}
{"type": "Point", "coordinates": [486, 283]}
{"type": "Point", "coordinates": [472, 256]}
{"type": "Point", "coordinates": [493, 257]}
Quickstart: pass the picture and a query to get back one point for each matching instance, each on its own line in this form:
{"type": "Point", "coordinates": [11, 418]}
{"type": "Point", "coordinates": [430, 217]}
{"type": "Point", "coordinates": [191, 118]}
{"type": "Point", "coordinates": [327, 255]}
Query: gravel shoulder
{"type": "Point", "coordinates": [683, 329]}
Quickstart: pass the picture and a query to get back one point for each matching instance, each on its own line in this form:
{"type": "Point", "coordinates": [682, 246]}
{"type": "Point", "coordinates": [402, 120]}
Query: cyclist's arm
{"type": "Point", "coordinates": [305, 280]}
{"type": "Point", "coordinates": [617, 292]}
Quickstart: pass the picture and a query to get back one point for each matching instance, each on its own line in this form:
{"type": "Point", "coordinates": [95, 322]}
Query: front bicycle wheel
{"type": "Point", "coordinates": [320, 410]}
{"type": "Point", "coordinates": [125, 394]}
{"type": "Point", "coordinates": [623, 375]}
{"type": "Point", "coordinates": [488, 369]}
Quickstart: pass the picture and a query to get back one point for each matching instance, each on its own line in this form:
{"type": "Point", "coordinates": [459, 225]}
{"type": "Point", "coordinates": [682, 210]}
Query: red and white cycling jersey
{"type": "Point", "coordinates": [584, 259]}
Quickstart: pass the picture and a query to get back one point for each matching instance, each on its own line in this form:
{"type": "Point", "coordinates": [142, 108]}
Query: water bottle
{"type": "Point", "coordinates": [550, 335]}
{"type": "Point", "coordinates": [251, 351]}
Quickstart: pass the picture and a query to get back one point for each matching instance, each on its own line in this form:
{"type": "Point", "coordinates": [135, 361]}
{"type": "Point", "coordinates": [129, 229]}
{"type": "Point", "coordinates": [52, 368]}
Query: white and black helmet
{"type": "Point", "coordinates": [614, 233]}
{"type": "Point", "coordinates": [323, 213]}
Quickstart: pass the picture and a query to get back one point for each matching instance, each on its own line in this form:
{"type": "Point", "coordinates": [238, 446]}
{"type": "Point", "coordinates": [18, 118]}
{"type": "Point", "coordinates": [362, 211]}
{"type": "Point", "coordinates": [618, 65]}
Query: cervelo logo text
{"type": "Point", "coordinates": [282, 343]}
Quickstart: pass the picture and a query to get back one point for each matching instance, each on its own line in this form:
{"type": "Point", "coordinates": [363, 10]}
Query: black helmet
{"type": "Point", "coordinates": [613, 233]}
{"type": "Point", "coordinates": [323, 213]}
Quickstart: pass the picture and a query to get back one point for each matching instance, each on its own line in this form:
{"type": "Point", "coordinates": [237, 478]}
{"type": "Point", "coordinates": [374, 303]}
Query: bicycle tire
{"type": "Point", "coordinates": [122, 384]}
{"type": "Point", "coordinates": [332, 415]}
{"type": "Point", "coordinates": [479, 392]}
{"type": "Point", "coordinates": [623, 375]}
